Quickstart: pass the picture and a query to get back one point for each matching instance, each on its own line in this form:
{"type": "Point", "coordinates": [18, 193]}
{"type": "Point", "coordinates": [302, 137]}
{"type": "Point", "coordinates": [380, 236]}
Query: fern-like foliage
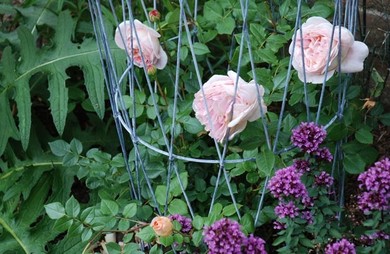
{"type": "Point", "coordinates": [52, 62]}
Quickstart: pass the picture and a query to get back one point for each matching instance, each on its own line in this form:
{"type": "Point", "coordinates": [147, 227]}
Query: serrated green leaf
{"type": "Point", "coordinates": [23, 102]}
{"type": "Point", "coordinates": [53, 62]}
{"type": "Point", "coordinates": [12, 230]}
{"type": "Point", "coordinates": [7, 124]}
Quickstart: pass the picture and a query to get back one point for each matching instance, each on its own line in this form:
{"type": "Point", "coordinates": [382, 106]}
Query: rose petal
{"type": "Point", "coordinates": [353, 62]}
{"type": "Point", "coordinates": [121, 34]}
{"type": "Point", "coordinates": [162, 62]}
{"type": "Point", "coordinates": [315, 78]}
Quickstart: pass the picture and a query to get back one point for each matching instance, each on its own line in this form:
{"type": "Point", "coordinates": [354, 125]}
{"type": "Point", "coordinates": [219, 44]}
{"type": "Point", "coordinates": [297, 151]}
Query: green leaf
{"type": "Point", "coordinates": [192, 125]}
{"type": "Point", "coordinates": [385, 119]}
{"type": "Point", "coordinates": [166, 240]}
{"type": "Point", "coordinates": [86, 234]}
{"type": "Point", "coordinates": [198, 222]}
{"type": "Point", "coordinates": [335, 233]}
{"type": "Point", "coordinates": [72, 207]}
{"type": "Point", "coordinates": [178, 206]}
{"type": "Point", "coordinates": [266, 162]}
{"type": "Point", "coordinates": [364, 136]}
{"type": "Point", "coordinates": [63, 224]}
{"type": "Point", "coordinates": [353, 163]}
{"type": "Point", "coordinates": [200, 49]}
{"type": "Point", "coordinates": [23, 101]}
{"type": "Point", "coordinates": [155, 250]}
{"type": "Point", "coordinates": [226, 25]}
{"type": "Point", "coordinates": [7, 124]}
{"type": "Point", "coordinates": [146, 234]}
{"type": "Point", "coordinates": [320, 9]}
{"type": "Point", "coordinates": [197, 237]}
{"type": "Point", "coordinates": [87, 215]}
{"type": "Point", "coordinates": [175, 188]}
{"type": "Point", "coordinates": [55, 210]}
{"type": "Point", "coordinates": [130, 210]}
{"type": "Point", "coordinates": [123, 225]}
{"type": "Point", "coordinates": [53, 62]}
{"type": "Point", "coordinates": [76, 146]}
{"type": "Point", "coordinates": [109, 207]}
{"type": "Point", "coordinates": [161, 194]}
{"type": "Point", "coordinates": [229, 210]}
{"type": "Point", "coordinates": [283, 9]}
{"type": "Point", "coordinates": [212, 11]}
{"type": "Point", "coordinates": [11, 229]}
{"type": "Point", "coordinates": [59, 147]}
{"type": "Point", "coordinates": [247, 223]}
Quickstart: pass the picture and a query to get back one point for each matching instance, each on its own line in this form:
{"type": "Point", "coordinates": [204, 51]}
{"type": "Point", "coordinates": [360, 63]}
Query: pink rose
{"type": "Point", "coordinates": [162, 226]}
{"type": "Point", "coordinates": [317, 33]}
{"type": "Point", "coordinates": [219, 95]}
{"type": "Point", "coordinates": [149, 44]}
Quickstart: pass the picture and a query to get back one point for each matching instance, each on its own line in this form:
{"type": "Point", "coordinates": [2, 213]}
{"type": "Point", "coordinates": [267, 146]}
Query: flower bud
{"type": "Point", "coordinates": [151, 69]}
{"type": "Point", "coordinates": [162, 226]}
{"type": "Point", "coordinates": [154, 15]}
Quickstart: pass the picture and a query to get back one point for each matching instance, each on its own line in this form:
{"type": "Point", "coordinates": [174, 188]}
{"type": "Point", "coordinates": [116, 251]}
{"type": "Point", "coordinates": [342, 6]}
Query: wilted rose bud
{"type": "Point", "coordinates": [154, 15]}
{"type": "Point", "coordinates": [162, 226]}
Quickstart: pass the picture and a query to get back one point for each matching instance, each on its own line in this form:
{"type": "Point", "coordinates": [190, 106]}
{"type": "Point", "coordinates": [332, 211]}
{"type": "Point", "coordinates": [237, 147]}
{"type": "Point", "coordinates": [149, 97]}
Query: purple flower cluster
{"type": "Point", "coordinates": [302, 166]}
{"type": "Point", "coordinates": [279, 225]}
{"type": "Point", "coordinates": [254, 245]}
{"type": "Point", "coordinates": [323, 179]}
{"type": "Point", "coordinates": [370, 239]}
{"type": "Point", "coordinates": [308, 136]}
{"type": "Point", "coordinates": [375, 186]}
{"type": "Point", "coordinates": [287, 183]}
{"type": "Point", "coordinates": [342, 246]}
{"type": "Point", "coordinates": [324, 154]}
{"type": "Point", "coordinates": [308, 216]}
{"type": "Point", "coordinates": [226, 237]}
{"type": "Point", "coordinates": [186, 223]}
{"type": "Point", "coordinates": [286, 210]}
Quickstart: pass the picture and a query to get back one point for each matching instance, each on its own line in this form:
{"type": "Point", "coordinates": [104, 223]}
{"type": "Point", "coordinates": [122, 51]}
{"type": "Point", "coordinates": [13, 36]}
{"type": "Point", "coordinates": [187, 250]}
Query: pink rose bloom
{"type": "Point", "coordinates": [149, 44]}
{"type": "Point", "coordinates": [317, 33]}
{"type": "Point", "coordinates": [162, 226]}
{"type": "Point", "coordinates": [219, 95]}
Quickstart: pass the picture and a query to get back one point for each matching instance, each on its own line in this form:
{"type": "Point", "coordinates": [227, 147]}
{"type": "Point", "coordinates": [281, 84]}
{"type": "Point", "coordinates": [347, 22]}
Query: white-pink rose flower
{"type": "Point", "coordinates": [149, 45]}
{"type": "Point", "coordinates": [317, 35]}
{"type": "Point", "coordinates": [218, 94]}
